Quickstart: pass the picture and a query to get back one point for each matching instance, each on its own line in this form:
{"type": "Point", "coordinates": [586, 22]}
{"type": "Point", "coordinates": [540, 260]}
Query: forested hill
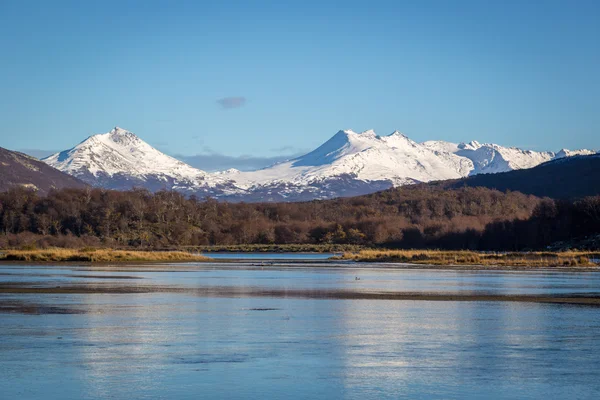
{"type": "Point", "coordinates": [449, 215]}
{"type": "Point", "coordinates": [408, 217]}
{"type": "Point", "coordinates": [566, 178]}
{"type": "Point", "coordinates": [20, 170]}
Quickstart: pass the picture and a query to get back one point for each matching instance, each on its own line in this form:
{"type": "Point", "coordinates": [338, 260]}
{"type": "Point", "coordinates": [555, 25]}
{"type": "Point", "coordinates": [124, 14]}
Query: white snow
{"type": "Point", "coordinates": [570, 153]}
{"type": "Point", "coordinates": [364, 156]}
{"type": "Point", "coordinates": [492, 158]}
{"type": "Point", "coordinates": [122, 152]}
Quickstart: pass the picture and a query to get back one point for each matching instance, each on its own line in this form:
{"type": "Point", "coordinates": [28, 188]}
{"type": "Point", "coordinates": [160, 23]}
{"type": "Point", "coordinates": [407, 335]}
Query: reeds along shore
{"type": "Point", "coordinates": [440, 257]}
{"type": "Point", "coordinates": [422, 257]}
{"type": "Point", "coordinates": [98, 255]}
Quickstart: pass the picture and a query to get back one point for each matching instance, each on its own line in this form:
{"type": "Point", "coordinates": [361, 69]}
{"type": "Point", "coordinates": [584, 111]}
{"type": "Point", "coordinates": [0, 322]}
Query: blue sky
{"type": "Point", "coordinates": [261, 79]}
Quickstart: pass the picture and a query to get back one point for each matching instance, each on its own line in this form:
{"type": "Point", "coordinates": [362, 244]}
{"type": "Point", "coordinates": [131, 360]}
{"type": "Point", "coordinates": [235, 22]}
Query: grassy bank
{"type": "Point", "coordinates": [277, 248]}
{"type": "Point", "coordinates": [440, 257]}
{"type": "Point", "coordinates": [97, 255]}
{"type": "Point", "coordinates": [424, 257]}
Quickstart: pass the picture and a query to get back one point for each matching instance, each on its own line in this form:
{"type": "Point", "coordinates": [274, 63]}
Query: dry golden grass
{"type": "Point", "coordinates": [97, 255]}
{"type": "Point", "coordinates": [441, 257]}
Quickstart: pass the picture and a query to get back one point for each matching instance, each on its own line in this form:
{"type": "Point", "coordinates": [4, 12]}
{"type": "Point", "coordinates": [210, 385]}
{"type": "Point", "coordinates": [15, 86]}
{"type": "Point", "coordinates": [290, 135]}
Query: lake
{"type": "Point", "coordinates": [240, 330]}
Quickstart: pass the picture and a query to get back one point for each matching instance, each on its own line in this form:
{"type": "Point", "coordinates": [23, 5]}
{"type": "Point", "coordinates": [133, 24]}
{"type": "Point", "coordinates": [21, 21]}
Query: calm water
{"type": "Point", "coordinates": [183, 345]}
{"type": "Point", "coordinates": [269, 256]}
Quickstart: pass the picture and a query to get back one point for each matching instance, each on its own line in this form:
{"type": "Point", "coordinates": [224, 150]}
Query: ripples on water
{"type": "Point", "coordinates": [185, 346]}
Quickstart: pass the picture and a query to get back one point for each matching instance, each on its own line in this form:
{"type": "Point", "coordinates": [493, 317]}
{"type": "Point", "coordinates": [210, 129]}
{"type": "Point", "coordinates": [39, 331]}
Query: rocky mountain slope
{"type": "Point", "coordinates": [20, 170]}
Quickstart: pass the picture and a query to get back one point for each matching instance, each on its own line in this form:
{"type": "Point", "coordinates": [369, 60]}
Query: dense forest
{"type": "Point", "coordinates": [407, 217]}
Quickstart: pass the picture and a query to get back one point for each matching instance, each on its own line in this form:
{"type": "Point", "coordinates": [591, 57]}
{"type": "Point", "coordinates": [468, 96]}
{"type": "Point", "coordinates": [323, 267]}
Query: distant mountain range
{"type": "Point", "coordinates": [348, 164]}
{"type": "Point", "coordinates": [20, 170]}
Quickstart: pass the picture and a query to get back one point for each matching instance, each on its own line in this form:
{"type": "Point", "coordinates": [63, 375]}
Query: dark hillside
{"type": "Point", "coordinates": [566, 178]}
{"type": "Point", "coordinates": [20, 170]}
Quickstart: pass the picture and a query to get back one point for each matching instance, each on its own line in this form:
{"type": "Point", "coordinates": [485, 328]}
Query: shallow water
{"type": "Point", "coordinates": [185, 345]}
{"type": "Point", "coordinates": [269, 256]}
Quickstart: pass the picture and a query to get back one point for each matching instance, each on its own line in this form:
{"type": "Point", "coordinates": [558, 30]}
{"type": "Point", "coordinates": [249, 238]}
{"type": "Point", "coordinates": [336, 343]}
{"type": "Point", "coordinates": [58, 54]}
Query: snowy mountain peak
{"type": "Point", "coordinates": [123, 137]}
{"type": "Point", "coordinates": [117, 130]}
{"type": "Point", "coordinates": [121, 159]}
{"type": "Point", "coordinates": [397, 139]}
{"type": "Point", "coordinates": [120, 132]}
{"type": "Point", "coordinates": [369, 133]}
{"type": "Point", "coordinates": [397, 134]}
{"type": "Point", "coordinates": [375, 160]}
{"type": "Point", "coordinates": [472, 145]}
{"type": "Point", "coordinates": [348, 163]}
{"type": "Point", "coordinates": [343, 142]}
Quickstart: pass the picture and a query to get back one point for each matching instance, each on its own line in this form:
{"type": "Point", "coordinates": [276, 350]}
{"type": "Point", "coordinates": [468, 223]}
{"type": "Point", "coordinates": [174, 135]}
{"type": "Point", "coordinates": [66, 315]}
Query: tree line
{"type": "Point", "coordinates": [408, 217]}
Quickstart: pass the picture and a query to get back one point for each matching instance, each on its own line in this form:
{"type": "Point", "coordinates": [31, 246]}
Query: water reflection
{"type": "Point", "coordinates": [181, 345]}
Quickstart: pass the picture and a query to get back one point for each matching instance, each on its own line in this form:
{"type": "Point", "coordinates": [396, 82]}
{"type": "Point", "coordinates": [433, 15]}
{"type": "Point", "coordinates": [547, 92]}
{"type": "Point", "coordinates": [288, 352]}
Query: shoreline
{"type": "Point", "coordinates": [321, 294]}
{"type": "Point", "coordinates": [98, 256]}
{"type": "Point", "coordinates": [402, 259]}
{"type": "Point", "coordinates": [527, 260]}
{"type": "Point", "coordinates": [292, 264]}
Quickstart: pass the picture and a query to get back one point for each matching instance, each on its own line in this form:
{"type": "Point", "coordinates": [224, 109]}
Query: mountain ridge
{"type": "Point", "coordinates": [20, 170]}
{"type": "Point", "coordinates": [347, 164]}
{"type": "Point", "coordinates": [119, 159]}
{"type": "Point", "coordinates": [562, 178]}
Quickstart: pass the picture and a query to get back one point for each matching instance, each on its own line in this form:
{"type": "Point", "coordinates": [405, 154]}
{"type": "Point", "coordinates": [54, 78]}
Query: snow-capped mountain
{"type": "Point", "coordinates": [348, 164]}
{"type": "Point", "coordinates": [491, 158]}
{"type": "Point", "coordinates": [364, 156]}
{"type": "Point", "coordinates": [352, 163]}
{"type": "Point", "coordinates": [121, 160]}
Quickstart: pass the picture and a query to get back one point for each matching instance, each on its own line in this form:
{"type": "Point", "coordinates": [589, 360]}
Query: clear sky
{"type": "Point", "coordinates": [261, 79]}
